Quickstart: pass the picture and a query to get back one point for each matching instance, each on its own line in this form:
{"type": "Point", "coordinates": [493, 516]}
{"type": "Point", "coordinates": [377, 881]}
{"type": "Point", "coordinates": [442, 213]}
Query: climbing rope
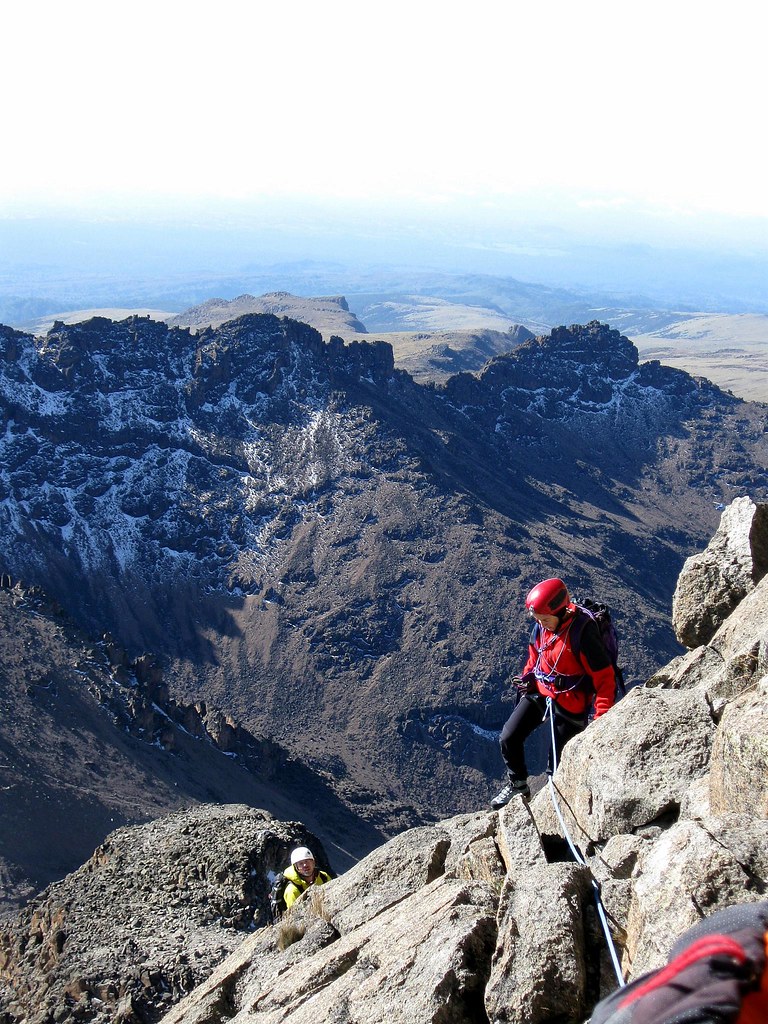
{"type": "Point", "coordinates": [577, 854]}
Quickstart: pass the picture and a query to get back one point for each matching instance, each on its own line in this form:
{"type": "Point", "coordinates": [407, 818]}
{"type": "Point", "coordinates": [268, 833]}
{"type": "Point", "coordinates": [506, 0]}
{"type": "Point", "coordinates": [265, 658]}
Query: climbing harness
{"type": "Point", "coordinates": [577, 854]}
{"type": "Point", "coordinates": [552, 680]}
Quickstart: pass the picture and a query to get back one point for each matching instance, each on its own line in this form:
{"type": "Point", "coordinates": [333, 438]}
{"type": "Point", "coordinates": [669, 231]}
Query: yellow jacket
{"type": "Point", "coordinates": [297, 884]}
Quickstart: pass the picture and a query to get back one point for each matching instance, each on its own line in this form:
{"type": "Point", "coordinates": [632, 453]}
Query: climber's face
{"type": "Point", "coordinates": [550, 622]}
{"type": "Point", "coordinates": [306, 868]}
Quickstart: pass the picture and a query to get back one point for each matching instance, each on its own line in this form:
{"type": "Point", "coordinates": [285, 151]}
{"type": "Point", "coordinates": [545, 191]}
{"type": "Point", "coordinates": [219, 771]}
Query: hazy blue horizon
{"type": "Point", "coordinates": [713, 263]}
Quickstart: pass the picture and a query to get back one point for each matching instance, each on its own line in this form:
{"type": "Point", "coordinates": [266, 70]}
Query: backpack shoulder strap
{"type": "Point", "coordinates": [535, 636]}
{"type": "Point", "coordinates": [580, 619]}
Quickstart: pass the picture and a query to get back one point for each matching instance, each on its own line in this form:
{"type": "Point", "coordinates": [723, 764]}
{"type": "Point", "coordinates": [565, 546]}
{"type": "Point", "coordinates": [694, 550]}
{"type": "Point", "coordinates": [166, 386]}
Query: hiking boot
{"type": "Point", "coordinates": [518, 787]}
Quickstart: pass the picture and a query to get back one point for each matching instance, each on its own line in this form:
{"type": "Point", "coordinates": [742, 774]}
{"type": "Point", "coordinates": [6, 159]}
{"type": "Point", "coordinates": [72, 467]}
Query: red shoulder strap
{"type": "Point", "coordinates": [709, 945]}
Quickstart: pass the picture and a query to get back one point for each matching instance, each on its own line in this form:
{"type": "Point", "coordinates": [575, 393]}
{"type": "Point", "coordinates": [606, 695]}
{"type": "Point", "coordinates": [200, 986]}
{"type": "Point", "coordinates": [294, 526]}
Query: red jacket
{"type": "Point", "coordinates": [557, 668]}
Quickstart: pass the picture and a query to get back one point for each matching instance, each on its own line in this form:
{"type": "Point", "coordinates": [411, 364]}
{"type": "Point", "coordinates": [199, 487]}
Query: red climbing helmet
{"type": "Point", "coordinates": [548, 597]}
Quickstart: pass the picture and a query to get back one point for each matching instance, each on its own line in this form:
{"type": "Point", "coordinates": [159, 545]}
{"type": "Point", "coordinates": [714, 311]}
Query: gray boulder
{"type": "Point", "coordinates": [449, 923]}
{"type": "Point", "coordinates": [407, 934]}
{"type": "Point", "coordinates": [738, 779]}
{"type": "Point", "coordinates": [733, 660]}
{"type": "Point", "coordinates": [713, 582]}
{"type": "Point", "coordinates": [458, 847]}
{"type": "Point", "coordinates": [424, 959]}
{"type": "Point", "coordinates": [696, 803]}
{"type": "Point", "coordinates": [518, 839]}
{"type": "Point", "coordinates": [540, 966]}
{"type": "Point", "coordinates": [692, 870]}
{"type": "Point", "coordinates": [260, 959]}
{"type": "Point", "coordinates": [631, 767]}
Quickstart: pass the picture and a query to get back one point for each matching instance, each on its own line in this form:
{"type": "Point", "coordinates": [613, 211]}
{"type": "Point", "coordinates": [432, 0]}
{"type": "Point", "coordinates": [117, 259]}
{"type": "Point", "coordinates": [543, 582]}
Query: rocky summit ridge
{"type": "Point", "coordinates": [334, 555]}
{"type": "Point", "coordinates": [483, 916]}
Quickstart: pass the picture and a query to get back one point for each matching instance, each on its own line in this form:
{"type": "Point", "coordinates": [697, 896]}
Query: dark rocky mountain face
{"type": "Point", "coordinates": [91, 739]}
{"type": "Point", "coordinates": [335, 555]}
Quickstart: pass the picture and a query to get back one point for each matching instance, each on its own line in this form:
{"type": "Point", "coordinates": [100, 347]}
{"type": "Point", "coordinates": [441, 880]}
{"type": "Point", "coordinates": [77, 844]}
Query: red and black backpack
{"type": "Point", "coordinates": [716, 975]}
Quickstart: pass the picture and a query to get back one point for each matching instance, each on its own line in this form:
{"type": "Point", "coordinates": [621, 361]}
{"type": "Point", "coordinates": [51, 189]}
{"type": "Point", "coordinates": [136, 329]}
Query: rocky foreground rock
{"type": "Point", "coordinates": [713, 582]}
{"type": "Point", "coordinates": [485, 916]}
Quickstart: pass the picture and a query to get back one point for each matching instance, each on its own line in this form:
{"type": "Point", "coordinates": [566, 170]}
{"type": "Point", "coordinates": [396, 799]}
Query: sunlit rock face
{"type": "Point", "coordinates": [714, 581]}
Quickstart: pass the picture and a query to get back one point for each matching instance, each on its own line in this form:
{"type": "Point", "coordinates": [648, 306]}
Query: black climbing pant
{"type": "Point", "coordinates": [527, 716]}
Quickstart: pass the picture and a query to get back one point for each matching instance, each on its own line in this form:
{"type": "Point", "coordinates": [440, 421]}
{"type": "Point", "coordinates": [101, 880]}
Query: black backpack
{"type": "Point", "coordinates": [277, 905]}
{"type": "Point", "coordinates": [602, 617]}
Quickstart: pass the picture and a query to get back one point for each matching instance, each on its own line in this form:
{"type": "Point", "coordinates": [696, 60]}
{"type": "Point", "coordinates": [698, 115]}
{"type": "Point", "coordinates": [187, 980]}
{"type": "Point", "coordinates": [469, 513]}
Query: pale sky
{"type": "Point", "coordinates": [659, 103]}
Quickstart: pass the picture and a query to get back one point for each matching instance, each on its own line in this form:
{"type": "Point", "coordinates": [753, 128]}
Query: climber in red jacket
{"type": "Point", "coordinates": [567, 662]}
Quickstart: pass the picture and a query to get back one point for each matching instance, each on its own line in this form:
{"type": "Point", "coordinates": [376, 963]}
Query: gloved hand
{"type": "Point", "coordinates": [526, 683]}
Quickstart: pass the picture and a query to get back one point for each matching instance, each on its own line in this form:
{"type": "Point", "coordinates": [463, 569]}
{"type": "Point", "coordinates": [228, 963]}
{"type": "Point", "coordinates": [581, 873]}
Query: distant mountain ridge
{"type": "Point", "coordinates": [328, 315]}
{"type": "Point", "coordinates": [335, 555]}
{"type": "Point", "coordinates": [438, 355]}
{"type": "Point", "coordinates": [731, 350]}
{"type": "Point", "coordinates": [477, 318]}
